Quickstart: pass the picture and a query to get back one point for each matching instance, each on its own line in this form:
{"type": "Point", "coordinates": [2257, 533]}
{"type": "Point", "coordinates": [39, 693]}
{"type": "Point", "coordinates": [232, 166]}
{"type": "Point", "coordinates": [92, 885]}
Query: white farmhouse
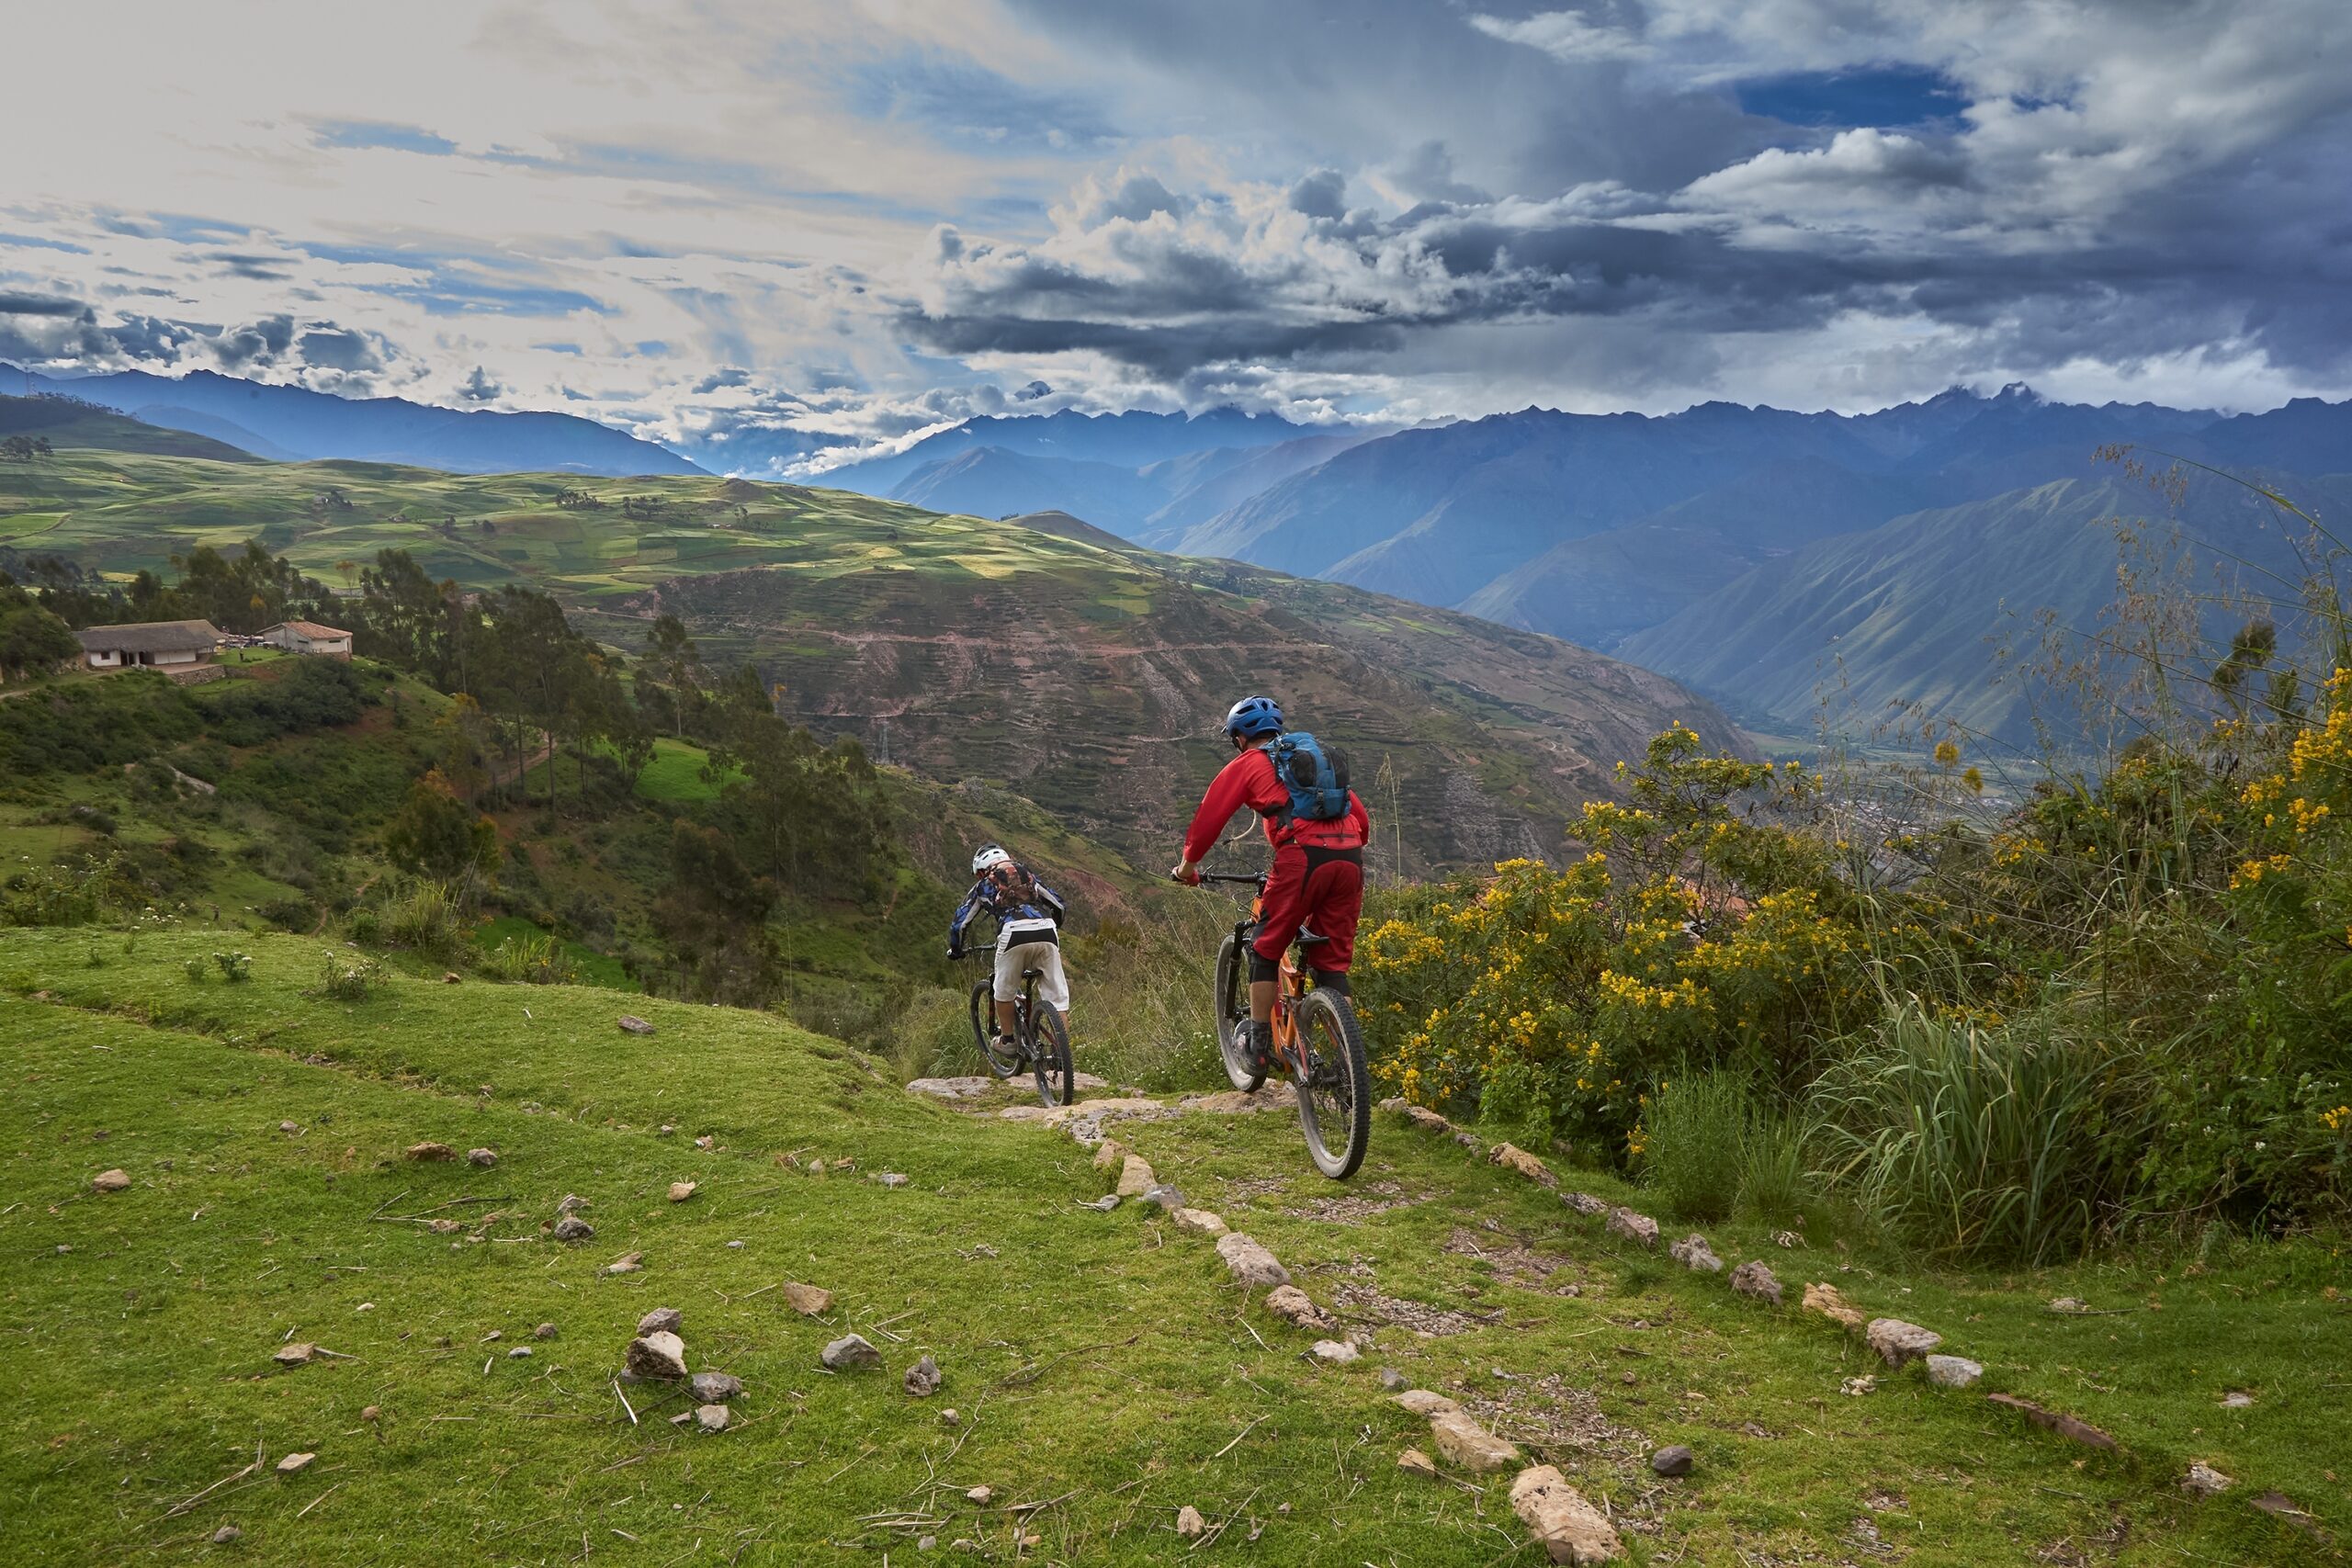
{"type": "Point", "coordinates": [309, 637]}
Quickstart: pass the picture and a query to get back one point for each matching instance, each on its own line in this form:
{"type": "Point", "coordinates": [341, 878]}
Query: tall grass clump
{"type": "Point", "coordinates": [1695, 1133]}
{"type": "Point", "coordinates": [2001, 1143]}
{"type": "Point", "coordinates": [425, 916]}
{"type": "Point", "coordinates": [530, 960]}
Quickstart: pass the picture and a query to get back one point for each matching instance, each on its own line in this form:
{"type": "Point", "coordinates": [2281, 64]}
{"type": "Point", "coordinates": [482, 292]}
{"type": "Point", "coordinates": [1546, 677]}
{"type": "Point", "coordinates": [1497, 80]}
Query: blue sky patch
{"type": "Point", "coordinates": [1884, 96]}
{"type": "Point", "coordinates": [375, 133]}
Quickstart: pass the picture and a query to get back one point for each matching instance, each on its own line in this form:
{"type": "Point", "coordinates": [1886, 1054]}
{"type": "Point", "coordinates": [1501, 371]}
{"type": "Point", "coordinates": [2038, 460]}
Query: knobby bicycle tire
{"type": "Point", "coordinates": [1342, 1104]}
{"type": "Point", "coordinates": [1049, 1054]}
{"type": "Point", "coordinates": [1233, 1017]}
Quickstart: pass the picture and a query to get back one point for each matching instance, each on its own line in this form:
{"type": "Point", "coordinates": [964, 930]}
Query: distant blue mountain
{"type": "Point", "coordinates": [293, 421]}
{"type": "Point", "coordinates": [1131, 440]}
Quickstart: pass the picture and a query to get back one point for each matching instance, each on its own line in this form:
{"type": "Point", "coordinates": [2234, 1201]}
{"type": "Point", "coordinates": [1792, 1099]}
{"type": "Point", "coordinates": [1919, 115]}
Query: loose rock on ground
{"type": "Point", "coordinates": [1639, 1229]}
{"type": "Point", "coordinates": [1753, 1279]}
{"type": "Point", "coordinates": [850, 1351]}
{"type": "Point", "coordinates": [1898, 1342]}
{"type": "Point", "coordinates": [1571, 1530]}
{"type": "Point", "coordinates": [659, 1354]}
{"type": "Point", "coordinates": [1249, 1262]}
{"type": "Point", "coordinates": [923, 1378]}
{"type": "Point", "coordinates": [1693, 1253]}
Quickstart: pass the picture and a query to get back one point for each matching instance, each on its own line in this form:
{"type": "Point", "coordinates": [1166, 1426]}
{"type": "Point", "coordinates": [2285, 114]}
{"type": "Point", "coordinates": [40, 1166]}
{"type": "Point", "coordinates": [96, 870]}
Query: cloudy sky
{"type": "Point", "coordinates": [761, 230]}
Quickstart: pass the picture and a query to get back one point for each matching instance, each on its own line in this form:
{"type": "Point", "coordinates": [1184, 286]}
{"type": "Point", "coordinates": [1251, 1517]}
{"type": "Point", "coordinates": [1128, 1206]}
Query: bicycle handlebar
{"type": "Point", "coordinates": [1257, 880]}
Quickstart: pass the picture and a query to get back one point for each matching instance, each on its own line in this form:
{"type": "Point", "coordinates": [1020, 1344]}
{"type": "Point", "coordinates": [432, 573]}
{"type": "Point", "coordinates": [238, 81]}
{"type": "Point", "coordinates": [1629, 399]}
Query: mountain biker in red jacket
{"type": "Point", "coordinates": [1317, 876]}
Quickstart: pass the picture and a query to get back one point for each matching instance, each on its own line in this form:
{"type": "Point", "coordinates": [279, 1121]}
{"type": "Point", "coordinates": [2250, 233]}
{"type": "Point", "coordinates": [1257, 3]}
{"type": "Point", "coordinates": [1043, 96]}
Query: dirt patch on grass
{"type": "Point", "coordinates": [1380, 1198]}
{"type": "Point", "coordinates": [1516, 1263]}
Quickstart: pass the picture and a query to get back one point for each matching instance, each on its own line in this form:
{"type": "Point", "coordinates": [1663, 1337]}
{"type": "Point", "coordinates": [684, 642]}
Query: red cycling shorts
{"type": "Point", "coordinates": [1319, 889]}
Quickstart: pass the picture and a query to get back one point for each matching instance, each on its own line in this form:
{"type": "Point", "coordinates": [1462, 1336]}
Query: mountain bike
{"type": "Point", "coordinates": [1316, 1041]}
{"type": "Point", "coordinates": [1040, 1038]}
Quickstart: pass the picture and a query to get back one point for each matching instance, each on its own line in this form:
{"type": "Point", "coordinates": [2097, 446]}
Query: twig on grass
{"type": "Point", "coordinates": [1237, 1441]}
{"type": "Point", "coordinates": [179, 1509]}
{"type": "Point", "coordinates": [320, 1498]}
{"type": "Point", "coordinates": [624, 1399]}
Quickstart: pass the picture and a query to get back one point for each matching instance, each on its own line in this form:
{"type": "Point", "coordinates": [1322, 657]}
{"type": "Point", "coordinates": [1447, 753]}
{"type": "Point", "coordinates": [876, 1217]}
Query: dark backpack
{"type": "Point", "coordinates": [1315, 775]}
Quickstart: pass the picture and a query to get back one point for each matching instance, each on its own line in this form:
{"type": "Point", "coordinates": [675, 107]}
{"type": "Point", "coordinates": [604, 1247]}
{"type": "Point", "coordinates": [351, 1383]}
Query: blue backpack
{"type": "Point", "coordinates": [1315, 775]}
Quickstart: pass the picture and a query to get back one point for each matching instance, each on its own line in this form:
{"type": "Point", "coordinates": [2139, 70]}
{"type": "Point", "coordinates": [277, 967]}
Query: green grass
{"type": "Point", "coordinates": [593, 968]}
{"type": "Point", "coordinates": [674, 773]}
{"type": "Point", "coordinates": [1096, 1360]}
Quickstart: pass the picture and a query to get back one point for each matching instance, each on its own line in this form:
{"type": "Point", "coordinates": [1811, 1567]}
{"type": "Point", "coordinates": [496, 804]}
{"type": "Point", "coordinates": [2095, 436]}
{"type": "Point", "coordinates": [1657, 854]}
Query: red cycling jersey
{"type": "Point", "coordinates": [1248, 780]}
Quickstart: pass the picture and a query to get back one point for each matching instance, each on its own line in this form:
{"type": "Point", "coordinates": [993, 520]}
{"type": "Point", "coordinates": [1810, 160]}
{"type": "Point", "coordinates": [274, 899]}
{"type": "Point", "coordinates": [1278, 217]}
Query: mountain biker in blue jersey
{"type": "Point", "coordinates": [1028, 917]}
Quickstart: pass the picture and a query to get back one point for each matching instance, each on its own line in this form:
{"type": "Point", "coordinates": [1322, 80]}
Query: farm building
{"type": "Point", "coordinates": [160, 645]}
{"type": "Point", "coordinates": [309, 637]}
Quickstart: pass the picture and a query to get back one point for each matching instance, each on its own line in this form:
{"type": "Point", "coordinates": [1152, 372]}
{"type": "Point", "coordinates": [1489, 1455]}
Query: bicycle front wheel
{"type": "Point", "coordinates": [1335, 1094]}
{"type": "Point", "coordinates": [1233, 1016]}
{"type": "Point", "coordinates": [1049, 1055]}
{"type": "Point", "coordinates": [1002, 1063]}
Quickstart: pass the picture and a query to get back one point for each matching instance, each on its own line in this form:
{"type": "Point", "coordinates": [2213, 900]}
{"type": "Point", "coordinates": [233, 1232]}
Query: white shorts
{"type": "Point", "coordinates": [1043, 956]}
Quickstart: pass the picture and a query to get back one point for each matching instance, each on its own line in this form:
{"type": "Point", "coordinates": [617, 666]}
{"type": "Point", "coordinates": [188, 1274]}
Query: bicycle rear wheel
{"type": "Point", "coordinates": [1334, 1095]}
{"type": "Point", "coordinates": [1049, 1054]}
{"type": "Point", "coordinates": [1233, 1016]}
{"type": "Point", "coordinates": [1005, 1063]}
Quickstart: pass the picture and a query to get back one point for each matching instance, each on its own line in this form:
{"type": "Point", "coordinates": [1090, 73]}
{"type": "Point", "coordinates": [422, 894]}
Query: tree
{"type": "Point", "coordinates": [714, 916]}
{"type": "Point", "coordinates": [32, 639]}
{"type": "Point", "coordinates": [436, 833]}
{"type": "Point", "coordinates": [674, 662]}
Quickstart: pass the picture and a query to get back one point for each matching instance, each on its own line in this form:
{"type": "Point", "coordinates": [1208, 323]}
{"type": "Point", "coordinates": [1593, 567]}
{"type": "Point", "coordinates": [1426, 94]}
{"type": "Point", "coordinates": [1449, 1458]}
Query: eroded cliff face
{"type": "Point", "coordinates": [1093, 682]}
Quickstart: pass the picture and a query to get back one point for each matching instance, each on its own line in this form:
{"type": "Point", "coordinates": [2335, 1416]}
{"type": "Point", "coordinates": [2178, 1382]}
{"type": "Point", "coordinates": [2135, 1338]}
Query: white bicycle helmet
{"type": "Point", "coordinates": [988, 855]}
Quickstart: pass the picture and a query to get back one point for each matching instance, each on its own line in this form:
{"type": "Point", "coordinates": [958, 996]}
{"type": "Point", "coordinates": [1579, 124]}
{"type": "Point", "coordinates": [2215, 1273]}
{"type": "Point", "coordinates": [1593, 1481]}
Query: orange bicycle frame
{"type": "Point", "coordinates": [1290, 989]}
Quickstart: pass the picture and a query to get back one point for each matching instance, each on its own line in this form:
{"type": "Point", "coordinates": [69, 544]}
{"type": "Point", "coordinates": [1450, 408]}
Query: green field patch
{"type": "Point", "coordinates": [25, 525]}
{"type": "Point", "coordinates": [674, 773]}
{"type": "Point", "coordinates": [591, 967]}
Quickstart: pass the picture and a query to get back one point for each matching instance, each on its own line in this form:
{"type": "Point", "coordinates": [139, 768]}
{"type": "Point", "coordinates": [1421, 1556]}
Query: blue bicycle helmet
{"type": "Point", "coordinates": [1253, 719]}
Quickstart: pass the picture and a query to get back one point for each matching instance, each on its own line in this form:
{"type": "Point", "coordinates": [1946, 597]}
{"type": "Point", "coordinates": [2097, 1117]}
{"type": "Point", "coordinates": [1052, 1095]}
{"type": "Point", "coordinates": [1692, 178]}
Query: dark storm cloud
{"type": "Point", "coordinates": [38, 305]}
{"type": "Point", "coordinates": [257, 344]}
{"type": "Point", "coordinates": [2055, 186]}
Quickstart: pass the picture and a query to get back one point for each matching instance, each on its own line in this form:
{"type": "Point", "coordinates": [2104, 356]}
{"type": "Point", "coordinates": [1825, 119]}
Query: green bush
{"type": "Point", "coordinates": [311, 693]}
{"type": "Point", "coordinates": [347, 978]}
{"type": "Point", "coordinates": [425, 916]}
{"type": "Point", "coordinates": [530, 960]}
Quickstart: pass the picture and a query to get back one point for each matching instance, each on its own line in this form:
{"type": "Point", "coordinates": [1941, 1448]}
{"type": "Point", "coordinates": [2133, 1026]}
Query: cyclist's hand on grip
{"type": "Point", "coordinates": [1185, 872]}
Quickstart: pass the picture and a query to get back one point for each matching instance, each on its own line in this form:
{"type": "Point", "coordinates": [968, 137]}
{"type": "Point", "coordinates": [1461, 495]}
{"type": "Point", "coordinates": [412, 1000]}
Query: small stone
{"type": "Point", "coordinates": [1135, 1178]}
{"type": "Point", "coordinates": [1693, 1253]}
{"type": "Point", "coordinates": [816, 1167]}
{"type": "Point", "coordinates": [371, 1413]}
{"type": "Point", "coordinates": [1858, 1386]}
{"type": "Point", "coordinates": [1188, 1523]}
{"type": "Point", "coordinates": [544, 1331]}
{"type": "Point", "coordinates": [298, 1354]}
{"type": "Point", "coordinates": [715, 1388]}
{"type": "Point", "coordinates": [626, 1263]}
{"type": "Point", "coordinates": [660, 1354]}
{"type": "Point", "coordinates": [1391, 1378]}
{"type": "Point", "coordinates": [227, 1535]}
{"type": "Point", "coordinates": [1200, 1221]}
{"type": "Point", "coordinates": [1673, 1460]}
{"type": "Point", "coordinates": [710, 1417]}
{"type": "Point", "coordinates": [1109, 1155]}
{"type": "Point", "coordinates": [1571, 1530]}
{"type": "Point", "coordinates": [110, 1182]}
{"type": "Point", "coordinates": [442, 1226]}
{"type": "Point", "coordinates": [1336, 1352]}
{"type": "Point", "coordinates": [2056, 1421]}
{"type": "Point", "coordinates": [2069, 1304]}
{"type": "Point", "coordinates": [1412, 1462]}
{"type": "Point", "coordinates": [734, 1247]}
{"type": "Point", "coordinates": [1164, 1197]}
{"type": "Point", "coordinates": [662, 1320]}
{"type": "Point", "coordinates": [1953, 1371]}
{"type": "Point", "coordinates": [570, 1204]}
{"type": "Point", "coordinates": [294, 1464]}
{"type": "Point", "coordinates": [431, 1151]}
{"type": "Point", "coordinates": [850, 1351]}
{"type": "Point", "coordinates": [572, 1227]}
{"type": "Point", "coordinates": [891, 1179]}
{"type": "Point", "coordinates": [1293, 1305]}
{"type": "Point", "coordinates": [1754, 1280]}
{"type": "Point", "coordinates": [1468, 1140]}
{"type": "Point", "coordinates": [1421, 1401]}
{"type": "Point", "coordinates": [949, 1418]}
{"type": "Point", "coordinates": [1898, 1342]}
{"type": "Point", "coordinates": [632, 1024]}
{"type": "Point", "coordinates": [485, 1159]}
{"type": "Point", "coordinates": [1826, 1300]}
{"type": "Point", "coordinates": [1105, 1205]}
{"type": "Point", "coordinates": [681, 1191]}
{"type": "Point", "coordinates": [290, 1129]}
{"type": "Point", "coordinates": [927, 1543]}
{"type": "Point", "coordinates": [980, 1495]}
{"type": "Point", "coordinates": [951, 1089]}
{"type": "Point", "coordinates": [809, 1301]}
{"type": "Point", "coordinates": [707, 1142]}
{"type": "Point", "coordinates": [1512, 1158]}
{"type": "Point", "coordinates": [2237, 1399]}
{"type": "Point", "coordinates": [1249, 1262]}
{"type": "Point", "coordinates": [1463, 1441]}
{"type": "Point", "coordinates": [1639, 1229]}
{"type": "Point", "coordinates": [1585, 1203]}
{"type": "Point", "coordinates": [1428, 1121]}
{"type": "Point", "coordinates": [451, 978]}
{"type": "Point", "coordinates": [2203, 1481]}
{"type": "Point", "coordinates": [923, 1378]}
{"type": "Point", "coordinates": [519, 1353]}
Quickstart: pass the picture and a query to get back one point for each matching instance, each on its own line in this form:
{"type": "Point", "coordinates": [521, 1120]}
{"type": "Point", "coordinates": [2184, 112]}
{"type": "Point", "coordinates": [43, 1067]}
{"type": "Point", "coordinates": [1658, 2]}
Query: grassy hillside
{"type": "Point", "coordinates": [1087, 679]}
{"type": "Point", "coordinates": [65, 422]}
{"type": "Point", "coordinates": [1100, 1365]}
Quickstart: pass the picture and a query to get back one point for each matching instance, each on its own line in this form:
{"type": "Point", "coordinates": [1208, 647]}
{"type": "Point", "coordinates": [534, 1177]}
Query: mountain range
{"type": "Point", "coordinates": [294, 424]}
